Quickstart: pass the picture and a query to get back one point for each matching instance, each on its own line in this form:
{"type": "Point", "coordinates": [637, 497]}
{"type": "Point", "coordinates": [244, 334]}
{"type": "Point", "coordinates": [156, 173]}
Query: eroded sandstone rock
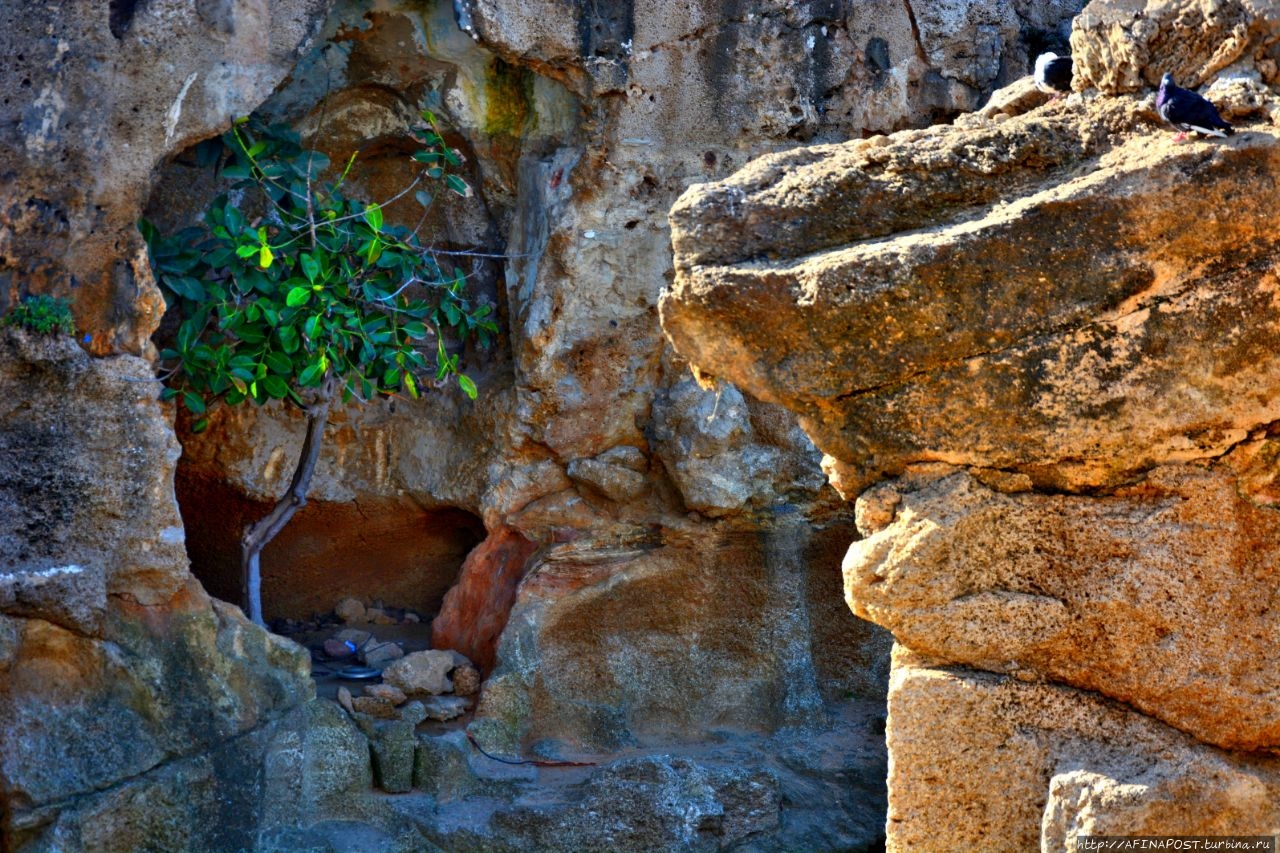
{"type": "Point", "coordinates": [1126, 46]}
{"type": "Point", "coordinates": [1077, 313]}
{"type": "Point", "coordinates": [1126, 595]}
{"type": "Point", "coordinates": [1022, 328]}
{"type": "Point", "coordinates": [85, 121]}
{"type": "Point", "coordinates": [982, 762]}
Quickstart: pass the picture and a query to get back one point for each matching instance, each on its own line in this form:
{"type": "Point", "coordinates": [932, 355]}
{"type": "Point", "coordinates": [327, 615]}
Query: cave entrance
{"type": "Point", "coordinates": [378, 549]}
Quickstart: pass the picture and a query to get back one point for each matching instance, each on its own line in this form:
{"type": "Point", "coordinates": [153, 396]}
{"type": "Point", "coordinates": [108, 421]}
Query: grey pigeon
{"type": "Point", "coordinates": [1053, 74]}
{"type": "Point", "coordinates": [1188, 111]}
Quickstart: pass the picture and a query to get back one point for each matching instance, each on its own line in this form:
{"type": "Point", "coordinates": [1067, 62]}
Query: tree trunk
{"type": "Point", "coordinates": [257, 535]}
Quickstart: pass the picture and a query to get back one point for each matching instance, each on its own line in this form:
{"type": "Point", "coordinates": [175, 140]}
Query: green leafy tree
{"type": "Point", "coordinates": [292, 291]}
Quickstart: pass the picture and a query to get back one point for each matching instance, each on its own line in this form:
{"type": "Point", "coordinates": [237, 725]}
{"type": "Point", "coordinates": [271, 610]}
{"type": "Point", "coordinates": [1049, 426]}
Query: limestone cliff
{"type": "Point", "coordinates": [1038, 347]}
{"type": "Point", "coordinates": [667, 555]}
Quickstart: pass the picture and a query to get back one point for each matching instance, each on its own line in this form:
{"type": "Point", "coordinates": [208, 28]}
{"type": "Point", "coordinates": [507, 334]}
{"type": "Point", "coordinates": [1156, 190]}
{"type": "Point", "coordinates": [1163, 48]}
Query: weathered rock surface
{"type": "Point", "coordinates": [1124, 595]}
{"type": "Point", "coordinates": [1045, 341]}
{"type": "Point", "coordinates": [662, 640]}
{"type": "Point", "coordinates": [1126, 46]}
{"type": "Point", "coordinates": [94, 96]}
{"type": "Point", "coordinates": [163, 691]}
{"type": "Point", "coordinates": [654, 804]}
{"type": "Point", "coordinates": [582, 126]}
{"type": "Point", "coordinates": [982, 762]}
{"type": "Point", "coordinates": [73, 473]}
{"type": "Point", "coordinates": [745, 794]}
{"type": "Point", "coordinates": [475, 610]}
{"type": "Point", "coordinates": [1022, 328]}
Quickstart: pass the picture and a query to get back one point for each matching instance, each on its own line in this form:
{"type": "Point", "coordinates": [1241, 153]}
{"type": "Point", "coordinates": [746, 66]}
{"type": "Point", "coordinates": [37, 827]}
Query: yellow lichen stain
{"type": "Point", "coordinates": [508, 96]}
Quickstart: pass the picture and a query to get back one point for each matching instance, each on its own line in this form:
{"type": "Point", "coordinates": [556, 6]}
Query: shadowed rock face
{"type": "Point", "coordinates": [1039, 350]}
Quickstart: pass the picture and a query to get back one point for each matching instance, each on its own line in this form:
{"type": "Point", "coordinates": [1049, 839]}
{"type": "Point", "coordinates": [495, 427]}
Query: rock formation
{"type": "Point", "coordinates": [667, 553]}
{"type": "Point", "coordinates": [1037, 348]}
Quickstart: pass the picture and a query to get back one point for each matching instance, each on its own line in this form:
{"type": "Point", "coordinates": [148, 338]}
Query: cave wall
{"type": "Point", "coordinates": [581, 124]}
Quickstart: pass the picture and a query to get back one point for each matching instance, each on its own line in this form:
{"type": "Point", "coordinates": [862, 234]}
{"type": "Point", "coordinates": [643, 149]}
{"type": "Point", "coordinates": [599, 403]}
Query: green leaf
{"type": "Point", "coordinates": [235, 220]}
{"type": "Point", "coordinates": [188, 332]}
{"type": "Point", "coordinates": [468, 387]}
{"type": "Point", "coordinates": [411, 385]}
{"type": "Point", "coordinates": [186, 287]}
{"type": "Point", "coordinates": [298, 297]}
{"type": "Point", "coordinates": [247, 250]}
{"type": "Point", "coordinates": [458, 185]}
{"type": "Point", "coordinates": [236, 172]}
{"type": "Point", "coordinates": [265, 257]}
{"type": "Point", "coordinates": [195, 403]}
{"type": "Point", "coordinates": [310, 267]}
{"type": "Point", "coordinates": [373, 215]}
{"type": "Point", "coordinates": [278, 363]}
{"type": "Point", "coordinates": [275, 387]}
{"type": "Point", "coordinates": [289, 340]}
{"type": "Point", "coordinates": [312, 375]}
{"type": "Point", "coordinates": [200, 425]}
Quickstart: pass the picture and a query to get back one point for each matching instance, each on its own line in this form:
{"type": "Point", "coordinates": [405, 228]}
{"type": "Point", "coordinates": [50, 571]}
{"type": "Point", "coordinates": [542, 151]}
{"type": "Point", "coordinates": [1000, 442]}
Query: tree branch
{"type": "Point", "coordinates": [261, 532]}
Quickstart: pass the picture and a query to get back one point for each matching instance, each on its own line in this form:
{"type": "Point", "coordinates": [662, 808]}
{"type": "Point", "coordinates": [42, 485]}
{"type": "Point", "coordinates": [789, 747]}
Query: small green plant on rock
{"type": "Point", "coordinates": [291, 290]}
{"type": "Point", "coordinates": [44, 315]}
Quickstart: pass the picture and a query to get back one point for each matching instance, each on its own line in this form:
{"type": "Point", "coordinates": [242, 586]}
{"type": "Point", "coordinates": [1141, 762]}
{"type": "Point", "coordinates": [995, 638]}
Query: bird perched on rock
{"type": "Point", "coordinates": [1188, 111]}
{"type": "Point", "coordinates": [1053, 74]}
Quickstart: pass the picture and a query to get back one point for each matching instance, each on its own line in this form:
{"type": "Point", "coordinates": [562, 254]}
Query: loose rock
{"type": "Point", "coordinates": [376, 706]}
{"type": "Point", "coordinates": [344, 699]}
{"type": "Point", "coordinates": [422, 672]}
{"type": "Point", "coordinates": [389, 692]}
{"type": "Point", "coordinates": [380, 654]}
{"type": "Point", "coordinates": [443, 708]}
{"type": "Point", "coordinates": [466, 681]}
{"type": "Point", "coordinates": [350, 611]}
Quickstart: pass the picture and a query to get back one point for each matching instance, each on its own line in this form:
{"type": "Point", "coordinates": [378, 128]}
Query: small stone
{"type": "Point", "coordinates": [443, 708]}
{"type": "Point", "coordinates": [411, 618]}
{"type": "Point", "coordinates": [344, 699]}
{"type": "Point", "coordinates": [413, 712]}
{"type": "Point", "coordinates": [339, 648]}
{"type": "Point", "coordinates": [350, 611]}
{"type": "Point", "coordinates": [380, 654]}
{"type": "Point", "coordinates": [355, 635]}
{"type": "Point", "coordinates": [376, 706]}
{"type": "Point", "coordinates": [392, 694]}
{"type": "Point", "coordinates": [422, 672]}
{"type": "Point", "coordinates": [466, 681]}
{"type": "Point", "coordinates": [380, 617]}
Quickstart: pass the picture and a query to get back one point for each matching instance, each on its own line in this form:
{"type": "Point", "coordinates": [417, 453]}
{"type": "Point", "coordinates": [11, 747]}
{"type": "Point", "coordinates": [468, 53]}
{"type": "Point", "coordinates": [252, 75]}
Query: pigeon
{"type": "Point", "coordinates": [1188, 111]}
{"type": "Point", "coordinates": [1053, 74]}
